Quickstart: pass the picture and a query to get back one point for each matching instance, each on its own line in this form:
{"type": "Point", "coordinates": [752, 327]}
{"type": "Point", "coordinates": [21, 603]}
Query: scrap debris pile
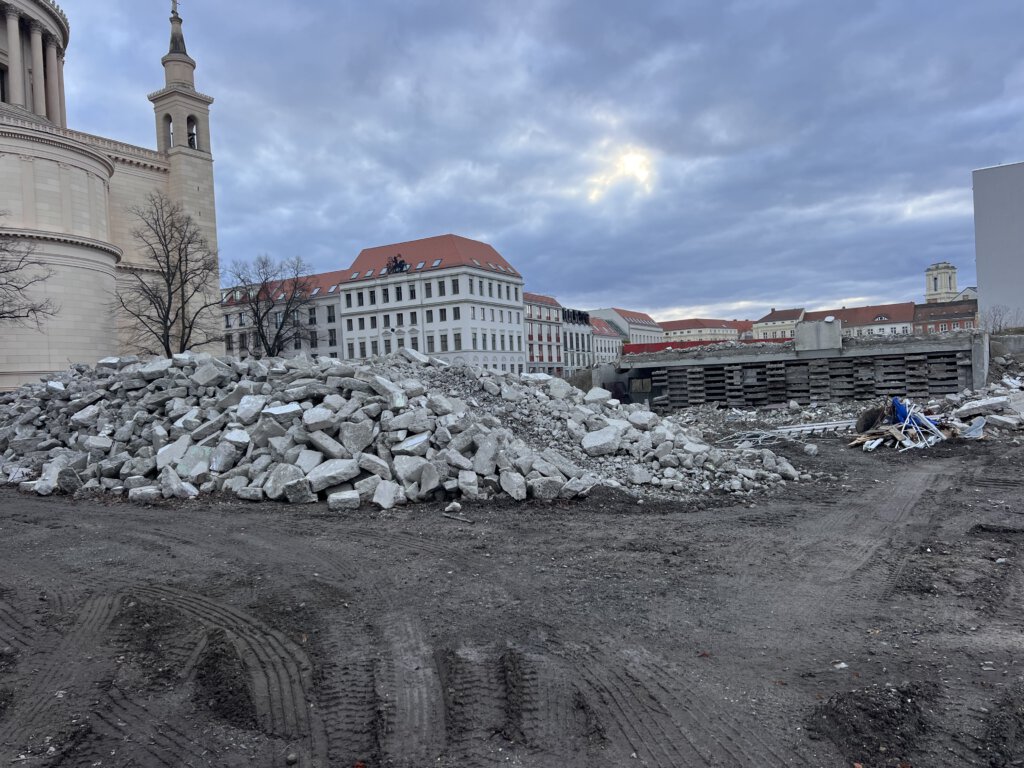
{"type": "Point", "coordinates": [906, 425]}
{"type": "Point", "coordinates": [404, 428]}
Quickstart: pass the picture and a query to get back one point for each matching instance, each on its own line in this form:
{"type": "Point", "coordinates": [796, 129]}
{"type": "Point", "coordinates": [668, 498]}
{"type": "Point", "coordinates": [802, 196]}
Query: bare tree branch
{"type": "Point", "coordinates": [22, 278]}
{"type": "Point", "coordinates": [271, 294]}
{"type": "Point", "coordinates": [172, 298]}
{"type": "Point", "coordinates": [1000, 317]}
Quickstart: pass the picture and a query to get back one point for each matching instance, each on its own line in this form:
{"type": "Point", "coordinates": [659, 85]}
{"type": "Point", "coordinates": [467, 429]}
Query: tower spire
{"type": "Point", "coordinates": [179, 68]}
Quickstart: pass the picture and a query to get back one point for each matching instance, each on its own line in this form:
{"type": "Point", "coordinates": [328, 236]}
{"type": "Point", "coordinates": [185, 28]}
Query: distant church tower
{"type": "Point", "coordinates": [940, 283]}
{"type": "Point", "coordinates": [183, 132]}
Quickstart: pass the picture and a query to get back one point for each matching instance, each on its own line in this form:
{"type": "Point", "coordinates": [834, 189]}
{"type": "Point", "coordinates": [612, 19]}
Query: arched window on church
{"type": "Point", "coordinates": [168, 131]}
{"type": "Point", "coordinates": [193, 132]}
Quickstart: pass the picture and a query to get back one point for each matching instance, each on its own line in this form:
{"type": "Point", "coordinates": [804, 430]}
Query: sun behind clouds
{"type": "Point", "coordinates": [629, 164]}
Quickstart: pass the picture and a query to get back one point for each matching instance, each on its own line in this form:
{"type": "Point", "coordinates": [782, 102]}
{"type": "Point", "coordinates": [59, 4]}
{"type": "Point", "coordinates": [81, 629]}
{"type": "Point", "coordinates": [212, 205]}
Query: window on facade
{"type": "Point", "coordinates": [399, 319]}
{"type": "Point", "coordinates": [455, 285]}
{"type": "Point", "coordinates": [428, 290]}
{"type": "Point", "coordinates": [412, 291]}
{"type": "Point", "coordinates": [298, 342]}
{"type": "Point", "coordinates": [348, 323]}
{"type": "Point", "coordinates": [483, 338]}
{"type": "Point", "coordinates": [278, 319]}
{"type": "Point", "coordinates": [229, 344]}
{"type": "Point", "coordinates": [440, 288]}
{"type": "Point", "coordinates": [387, 321]}
{"type": "Point", "coordinates": [373, 322]}
{"type": "Point", "coordinates": [490, 289]}
{"type": "Point", "coordinates": [443, 313]}
{"type": "Point", "coordinates": [398, 293]}
{"type": "Point", "coordinates": [359, 298]}
{"type": "Point", "coordinates": [943, 327]}
{"type": "Point", "coordinates": [969, 324]}
{"type": "Point", "coordinates": [351, 350]}
{"type": "Point", "coordinates": [444, 342]}
{"type": "Point", "coordinates": [456, 313]}
{"type": "Point", "coordinates": [956, 325]}
{"type": "Point", "coordinates": [330, 313]}
{"type": "Point", "coordinates": [362, 323]}
{"type": "Point", "coordinates": [503, 342]}
{"type": "Point", "coordinates": [374, 349]}
{"type": "Point", "coordinates": [492, 314]}
{"type": "Point", "coordinates": [314, 340]}
{"type": "Point", "coordinates": [334, 355]}
{"type": "Point", "coordinates": [430, 345]}
{"type": "Point", "coordinates": [414, 342]}
{"type": "Point", "coordinates": [457, 341]}
{"type": "Point", "coordinates": [332, 337]}
{"type": "Point", "coordinates": [362, 349]}
{"type": "Point", "coordinates": [385, 295]}
{"type": "Point", "coordinates": [472, 313]}
{"type": "Point", "coordinates": [387, 346]}
{"type": "Point", "coordinates": [312, 316]}
{"type": "Point", "coordinates": [520, 342]}
{"type": "Point", "coordinates": [348, 300]}
{"type": "Point", "coordinates": [373, 297]}
{"type": "Point", "coordinates": [494, 341]}
{"type": "Point", "coordinates": [412, 318]}
{"type": "Point", "coordinates": [227, 321]}
{"type": "Point", "coordinates": [429, 316]}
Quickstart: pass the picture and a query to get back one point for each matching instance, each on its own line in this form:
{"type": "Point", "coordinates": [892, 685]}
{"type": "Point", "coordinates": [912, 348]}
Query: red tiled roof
{"type": "Point", "coordinates": [946, 310]}
{"type": "Point", "coordinates": [429, 254]}
{"type": "Point", "coordinates": [870, 315]}
{"type": "Point", "coordinates": [603, 328]}
{"type": "Point", "coordinates": [319, 287]}
{"type": "Point", "coordinates": [696, 323]}
{"type": "Point", "coordinates": [741, 325]}
{"type": "Point", "coordinates": [635, 317]}
{"type": "Point", "coordinates": [781, 315]}
{"type": "Point", "coordinates": [539, 298]}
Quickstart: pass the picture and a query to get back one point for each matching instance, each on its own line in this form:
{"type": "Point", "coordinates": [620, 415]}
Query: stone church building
{"type": "Point", "coordinates": [68, 193]}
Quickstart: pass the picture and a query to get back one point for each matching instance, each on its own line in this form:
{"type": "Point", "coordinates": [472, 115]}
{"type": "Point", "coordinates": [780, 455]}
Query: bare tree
{"type": "Point", "coordinates": [271, 295]}
{"type": "Point", "coordinates": [22, 275]}
{"type": "Point", "coordinates": [1000, 317]}
{"type": "Point", "coordinates": [172, 298]}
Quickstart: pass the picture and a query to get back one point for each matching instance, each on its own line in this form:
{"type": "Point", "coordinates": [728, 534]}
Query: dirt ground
{"type": "Point", "coordinates": [873, 619]}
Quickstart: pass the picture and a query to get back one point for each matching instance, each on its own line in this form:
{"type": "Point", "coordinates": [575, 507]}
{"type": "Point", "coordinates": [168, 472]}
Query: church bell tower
{"type": "Point", "coordinates": [183, 133]}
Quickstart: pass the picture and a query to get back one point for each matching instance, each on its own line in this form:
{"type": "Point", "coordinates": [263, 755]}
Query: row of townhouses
{"type": "Point", "coordinates": [447, 296]}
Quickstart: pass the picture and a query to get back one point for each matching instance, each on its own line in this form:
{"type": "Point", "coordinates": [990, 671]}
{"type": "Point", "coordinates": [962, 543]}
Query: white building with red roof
{"type": "Point", "coordinates": [700, 329]}
{"type": "Point", "coordinates": [543, 320]}
{"type": "Point", "coordinates": [636, 327]}
{"type": "Point", "coordinates": [778, 324]}
{"type": "Point", "coordinates": [873, 320]}
{"type": "Point", "coordinates": [607, 342]}
{"type": "Point", "coordinates": [447, 296]}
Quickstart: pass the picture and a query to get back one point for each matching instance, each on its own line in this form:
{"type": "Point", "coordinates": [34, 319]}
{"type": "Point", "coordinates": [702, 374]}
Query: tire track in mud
{"type": "Point", "coordinates": [740, 739]}
{"type": "Point", "coordinates": [14, 630]}
{"type": "Point", "coordinates": [53, 674]}
{"type": "Point", "coordinates": [415, 709]}
{"type": "Point", "coordinates": [280, 671]}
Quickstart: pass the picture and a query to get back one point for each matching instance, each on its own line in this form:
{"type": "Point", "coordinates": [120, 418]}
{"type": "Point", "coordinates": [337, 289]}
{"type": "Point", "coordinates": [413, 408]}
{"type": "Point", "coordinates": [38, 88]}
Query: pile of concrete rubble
{"type": "Point", "coordinates": [404, 428]}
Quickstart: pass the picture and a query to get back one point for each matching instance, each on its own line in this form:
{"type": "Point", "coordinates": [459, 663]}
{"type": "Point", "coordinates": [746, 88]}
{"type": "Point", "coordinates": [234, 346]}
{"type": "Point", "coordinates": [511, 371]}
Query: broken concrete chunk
{"type": "Point", "coordinates": [332, 472]}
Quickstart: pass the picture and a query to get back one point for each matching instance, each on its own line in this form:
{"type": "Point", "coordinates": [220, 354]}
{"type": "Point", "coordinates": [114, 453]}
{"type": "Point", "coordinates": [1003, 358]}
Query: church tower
{"type": "Point", "coordinates": [940, 283]}
{"type": "Point", "coordinates": [183, 133]}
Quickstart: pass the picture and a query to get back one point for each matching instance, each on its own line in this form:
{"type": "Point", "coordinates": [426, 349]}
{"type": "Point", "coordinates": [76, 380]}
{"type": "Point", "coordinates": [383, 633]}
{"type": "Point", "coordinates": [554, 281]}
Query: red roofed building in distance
{"type": "Point", "coordinates": [778, 324]}
{"type": "Point", "coordinates": [543, 318]}
{"type": "Point", "coordinates": [447, 296]}
{"type": "Point", "coordinates": [701, 329]}
{"type": "Point", "coordinates": [875, 320]}
{"type": "Point", "coordinates": [636, 327]}
{"type": "Point", "coordinates": [607, 341]}
{"type": "Point", "coordinates": [319, 319]}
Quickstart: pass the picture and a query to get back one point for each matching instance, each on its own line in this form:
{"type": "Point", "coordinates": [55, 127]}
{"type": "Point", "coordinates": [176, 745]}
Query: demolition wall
{"type": "Point", "coordinates": [750, 378]}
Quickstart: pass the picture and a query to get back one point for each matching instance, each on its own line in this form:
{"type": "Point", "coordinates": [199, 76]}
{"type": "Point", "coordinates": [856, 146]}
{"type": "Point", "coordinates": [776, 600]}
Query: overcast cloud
{"type": "Point", "coordinates": [685, 158]}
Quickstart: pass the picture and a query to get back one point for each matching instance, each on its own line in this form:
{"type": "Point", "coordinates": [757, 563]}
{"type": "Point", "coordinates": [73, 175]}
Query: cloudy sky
{"type": "Point", "coordinates": [685, 158]}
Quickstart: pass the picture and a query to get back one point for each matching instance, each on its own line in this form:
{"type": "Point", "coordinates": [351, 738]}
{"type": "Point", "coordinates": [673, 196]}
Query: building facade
{"type": "Point", "coordinates": [999, 244]}
{"type": "Point", "coordinates": [448, 296]}
{"type": "Point", "coordinates": [68, 194]}
{"type": "Point", "coordinates": [636, 327]}
{"type": "Point", "coordinates": [778, 324]}
{"type": "Point", "coordinates": [946, 317]}
{"type": "Point", "coordinates": [577, 340]}
{"type": "Point", "coordinates": [700, 329]}
{"type": "Point", "coordinates": [543, 318]}
{"type": "Point", "coordinates": [607, 342]}
{"type": "Point", "coordinates": [876, 320]}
